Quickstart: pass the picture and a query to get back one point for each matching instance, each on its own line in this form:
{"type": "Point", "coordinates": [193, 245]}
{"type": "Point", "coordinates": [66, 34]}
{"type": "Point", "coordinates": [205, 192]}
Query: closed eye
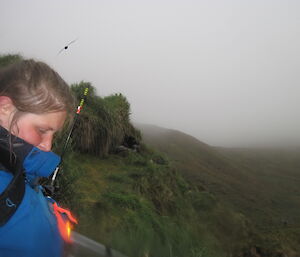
{"type": "Point", "coordinates": [42, 131]}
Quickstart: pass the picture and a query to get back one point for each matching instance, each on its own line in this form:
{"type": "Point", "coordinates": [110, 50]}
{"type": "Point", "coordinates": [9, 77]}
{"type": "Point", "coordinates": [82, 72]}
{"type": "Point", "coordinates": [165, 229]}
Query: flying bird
{"type": "Point", "coordinates": [67, 46]}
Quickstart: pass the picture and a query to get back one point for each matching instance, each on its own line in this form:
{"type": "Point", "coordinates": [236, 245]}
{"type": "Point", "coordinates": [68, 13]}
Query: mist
{"type": "Point", "coordinates": [225, 72]}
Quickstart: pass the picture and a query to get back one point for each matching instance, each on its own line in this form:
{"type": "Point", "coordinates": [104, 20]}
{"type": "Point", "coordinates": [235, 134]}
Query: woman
{"type": "Point", "coordinates": [34, 104]}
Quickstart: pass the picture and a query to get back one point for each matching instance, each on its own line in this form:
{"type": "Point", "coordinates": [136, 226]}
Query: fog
{"type": "Point", "coordinates": [224, 71]}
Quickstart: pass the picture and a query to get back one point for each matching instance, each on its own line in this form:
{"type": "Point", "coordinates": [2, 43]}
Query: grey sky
{"type": "Point", "coordinates": [226, 72]}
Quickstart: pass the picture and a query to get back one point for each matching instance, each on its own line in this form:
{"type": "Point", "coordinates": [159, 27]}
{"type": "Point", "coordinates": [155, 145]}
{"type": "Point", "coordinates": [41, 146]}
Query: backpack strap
{"type": "Point", "coordinates": [12, 196]}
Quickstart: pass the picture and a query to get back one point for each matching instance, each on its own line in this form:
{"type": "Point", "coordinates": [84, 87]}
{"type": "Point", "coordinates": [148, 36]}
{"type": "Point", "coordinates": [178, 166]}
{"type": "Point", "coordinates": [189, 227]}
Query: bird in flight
{"type": "Point", "coordinates": [67, 46]}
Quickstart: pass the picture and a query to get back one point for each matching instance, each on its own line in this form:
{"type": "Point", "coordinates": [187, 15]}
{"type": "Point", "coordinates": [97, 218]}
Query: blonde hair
{"type": "Point", "coordinates": [36, 88]}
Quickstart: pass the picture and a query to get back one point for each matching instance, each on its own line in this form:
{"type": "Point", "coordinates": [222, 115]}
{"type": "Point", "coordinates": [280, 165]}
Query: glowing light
{"type": "Point", "coordinates": [68, 229]}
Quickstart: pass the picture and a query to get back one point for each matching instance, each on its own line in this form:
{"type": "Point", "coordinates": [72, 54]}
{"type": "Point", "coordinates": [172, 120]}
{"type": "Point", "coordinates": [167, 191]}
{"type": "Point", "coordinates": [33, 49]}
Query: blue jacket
{"type": "Point", "coordinates": [32, 231]}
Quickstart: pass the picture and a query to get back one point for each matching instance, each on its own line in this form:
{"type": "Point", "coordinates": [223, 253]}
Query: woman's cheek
{"type": "Point", "coordinates": [31, 137]}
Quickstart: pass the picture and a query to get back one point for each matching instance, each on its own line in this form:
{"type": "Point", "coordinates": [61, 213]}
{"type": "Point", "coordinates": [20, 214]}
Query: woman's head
{"type": "Point", "coordinates": [33, 98]}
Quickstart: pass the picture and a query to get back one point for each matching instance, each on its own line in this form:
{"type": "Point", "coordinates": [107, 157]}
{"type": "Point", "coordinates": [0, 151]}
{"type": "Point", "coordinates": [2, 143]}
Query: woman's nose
{"type": "Point", "coordinates": [46, 144]}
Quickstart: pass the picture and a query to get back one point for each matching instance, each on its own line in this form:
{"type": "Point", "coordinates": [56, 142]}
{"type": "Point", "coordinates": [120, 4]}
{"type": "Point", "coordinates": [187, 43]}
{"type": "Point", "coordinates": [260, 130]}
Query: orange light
{"type": "Point", "coordinates": [68, 229]}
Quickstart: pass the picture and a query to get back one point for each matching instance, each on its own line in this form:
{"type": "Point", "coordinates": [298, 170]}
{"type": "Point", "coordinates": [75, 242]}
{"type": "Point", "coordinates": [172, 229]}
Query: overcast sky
{"type": "Point", "coordinates": [224, 71]}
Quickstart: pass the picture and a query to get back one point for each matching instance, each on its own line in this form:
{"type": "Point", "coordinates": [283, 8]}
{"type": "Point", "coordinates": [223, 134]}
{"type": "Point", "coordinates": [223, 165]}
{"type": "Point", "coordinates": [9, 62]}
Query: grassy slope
{"type": "Point", "coordinates": [277, 170]}
{"type": "Point", "coordinates": [140, 207]}
{"type": "Point", "coordinates": [262, 185]}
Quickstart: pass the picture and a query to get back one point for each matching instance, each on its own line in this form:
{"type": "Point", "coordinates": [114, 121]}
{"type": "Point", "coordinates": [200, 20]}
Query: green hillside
{"type": "Point", "coordinates": [261, 184]}
{"type": "Point", "coordinates": [142, 207]}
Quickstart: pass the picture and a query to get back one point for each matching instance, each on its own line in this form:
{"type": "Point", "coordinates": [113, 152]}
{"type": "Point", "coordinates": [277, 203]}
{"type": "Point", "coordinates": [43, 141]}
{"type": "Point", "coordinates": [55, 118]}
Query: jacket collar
{"type": "Point", "coordinates": [36, 163]}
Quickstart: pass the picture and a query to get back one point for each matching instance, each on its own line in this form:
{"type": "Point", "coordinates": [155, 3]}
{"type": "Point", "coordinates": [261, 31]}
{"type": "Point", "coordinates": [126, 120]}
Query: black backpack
{"type": "Point", "coordinates": [10, 161]}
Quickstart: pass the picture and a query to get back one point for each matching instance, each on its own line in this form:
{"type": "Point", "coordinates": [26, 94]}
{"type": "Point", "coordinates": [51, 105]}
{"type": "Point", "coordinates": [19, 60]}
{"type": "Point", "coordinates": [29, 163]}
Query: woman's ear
{"type": "Point", "coordinates": [6, 109]}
